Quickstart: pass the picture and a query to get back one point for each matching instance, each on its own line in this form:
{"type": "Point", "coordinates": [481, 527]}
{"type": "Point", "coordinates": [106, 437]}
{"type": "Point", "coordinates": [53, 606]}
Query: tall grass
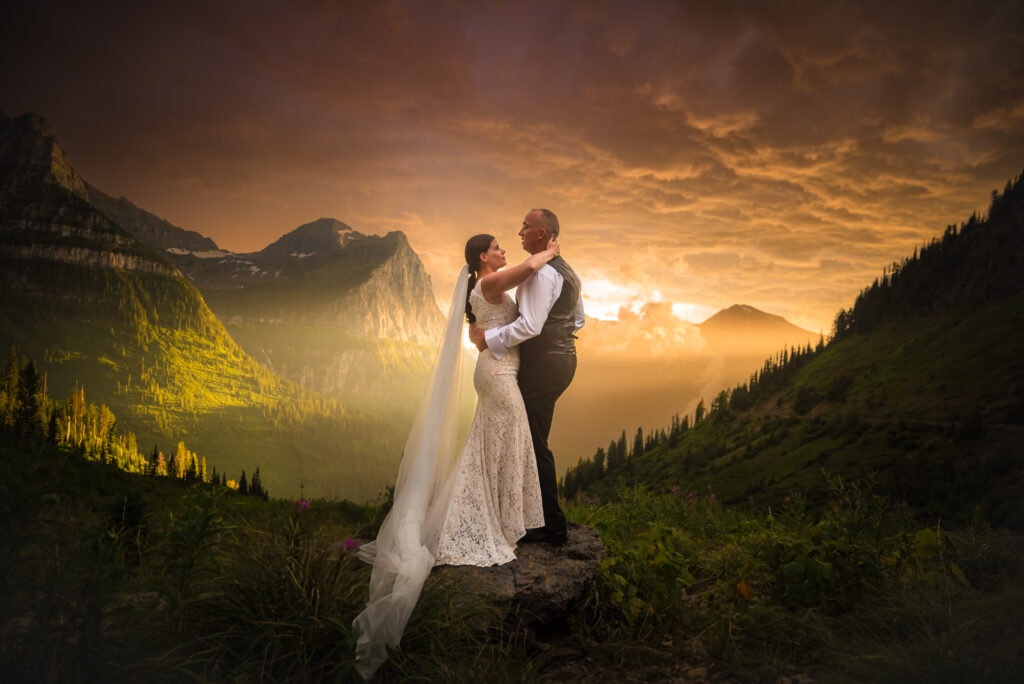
{"type": "Point", "coordinates": [857, 587]}
{"type": "Point", "coordinates": [114, 577]}
{"type": "Point", "coordinates": [120, 578]}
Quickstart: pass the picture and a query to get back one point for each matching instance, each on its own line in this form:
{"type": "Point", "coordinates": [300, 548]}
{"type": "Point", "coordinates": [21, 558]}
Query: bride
{"type": "Point", "coordinates": [466, 511]}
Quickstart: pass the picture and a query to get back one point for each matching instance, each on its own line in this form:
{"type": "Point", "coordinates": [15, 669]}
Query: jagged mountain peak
{"type": "Point", "coordinates": [317, 237]}
{"type": "Point", "coordinates": [31, 158]}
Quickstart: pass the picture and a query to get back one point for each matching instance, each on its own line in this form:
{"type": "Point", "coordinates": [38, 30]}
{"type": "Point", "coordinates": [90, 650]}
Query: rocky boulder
{"type": "Point", "coordinates": [541, 584]}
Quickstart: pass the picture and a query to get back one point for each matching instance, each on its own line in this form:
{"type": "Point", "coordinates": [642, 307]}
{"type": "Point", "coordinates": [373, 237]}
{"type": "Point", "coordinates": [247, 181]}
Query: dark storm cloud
{"type": "Point", "coordinates": [791, 135]}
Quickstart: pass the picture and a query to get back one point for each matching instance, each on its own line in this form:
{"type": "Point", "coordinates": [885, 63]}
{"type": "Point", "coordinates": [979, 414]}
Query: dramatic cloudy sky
{"type": "Point", "coordinates": [772, 154]}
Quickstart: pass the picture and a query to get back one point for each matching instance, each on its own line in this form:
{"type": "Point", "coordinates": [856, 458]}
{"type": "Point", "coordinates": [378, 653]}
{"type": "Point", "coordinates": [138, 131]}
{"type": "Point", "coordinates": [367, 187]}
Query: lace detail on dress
{"type": "Point", "coordinates": [494, 492]}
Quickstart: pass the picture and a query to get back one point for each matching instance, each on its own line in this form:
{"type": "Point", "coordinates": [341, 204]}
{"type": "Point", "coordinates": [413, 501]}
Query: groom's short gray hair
{"type": "Point", "coordinates": [549, 220]}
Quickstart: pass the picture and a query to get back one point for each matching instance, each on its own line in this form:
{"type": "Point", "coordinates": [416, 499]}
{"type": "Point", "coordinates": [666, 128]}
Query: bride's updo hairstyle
{"type": "Point", "coordinates": [475, 246]}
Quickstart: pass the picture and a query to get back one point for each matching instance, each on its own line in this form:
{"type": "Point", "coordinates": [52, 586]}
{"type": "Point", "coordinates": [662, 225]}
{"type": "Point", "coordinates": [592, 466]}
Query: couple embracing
{"type": "Point", "coordinates": [472, 506]}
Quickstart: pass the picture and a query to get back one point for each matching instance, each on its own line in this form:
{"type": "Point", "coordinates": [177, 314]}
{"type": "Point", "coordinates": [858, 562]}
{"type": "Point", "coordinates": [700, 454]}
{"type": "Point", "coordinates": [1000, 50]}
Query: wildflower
{"type": "Point", "coordinates": [302, 504]}
{"type": "Point", "coordinates": [787, 498]}
{"type": "Point", "coordinates": [674, 489]}
{"type": "Point", "coordinates": [346, 547]}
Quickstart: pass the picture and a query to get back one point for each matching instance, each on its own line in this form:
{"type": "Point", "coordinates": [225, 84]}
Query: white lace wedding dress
{"type": "Point", "coordinates": [493, 492]}
{"type": "Point", "coordinates": [464, 510]}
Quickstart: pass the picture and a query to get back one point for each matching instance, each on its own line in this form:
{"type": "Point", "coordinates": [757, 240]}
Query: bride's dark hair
{"type": "Point", "coordinates": [475, 246]}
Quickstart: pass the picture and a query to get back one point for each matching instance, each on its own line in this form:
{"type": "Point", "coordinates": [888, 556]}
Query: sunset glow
{"type": "Point", "coordinates": [771, 154]}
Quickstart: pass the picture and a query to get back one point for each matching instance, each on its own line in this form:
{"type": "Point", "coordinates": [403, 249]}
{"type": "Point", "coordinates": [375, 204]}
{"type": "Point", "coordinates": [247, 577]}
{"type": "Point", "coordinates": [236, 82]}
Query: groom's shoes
{"type": "Point", "coordinates": [539, 535]}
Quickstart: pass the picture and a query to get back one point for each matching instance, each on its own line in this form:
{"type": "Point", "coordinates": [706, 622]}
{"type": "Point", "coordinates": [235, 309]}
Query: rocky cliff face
{"type": "Point", "coordinates": [396, 301]}
{"type": "Point", "coordinates": [31, 158]}
{"type": "Point", "coordinates": [342, 313]}
{"type": "Point", "coordinates": [45, 215]}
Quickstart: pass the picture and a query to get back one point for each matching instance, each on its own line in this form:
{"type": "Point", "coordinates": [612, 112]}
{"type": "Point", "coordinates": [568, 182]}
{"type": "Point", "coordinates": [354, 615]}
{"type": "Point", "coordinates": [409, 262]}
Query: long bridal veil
{"type": "Point", "coordinates": [401, 559]}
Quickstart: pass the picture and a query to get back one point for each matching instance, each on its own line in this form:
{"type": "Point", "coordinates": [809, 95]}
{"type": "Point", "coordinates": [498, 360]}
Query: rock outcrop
{"type": "Point", "coordinates": [542, 584]}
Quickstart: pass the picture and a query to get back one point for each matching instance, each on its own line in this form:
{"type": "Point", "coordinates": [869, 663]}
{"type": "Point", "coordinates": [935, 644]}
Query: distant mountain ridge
{"type": "Point", "coordinates": [642, 370]}
{"type": "Point", "coordinates": [146, 227]}
{"type": "Point", "coordinates": [734, 330]}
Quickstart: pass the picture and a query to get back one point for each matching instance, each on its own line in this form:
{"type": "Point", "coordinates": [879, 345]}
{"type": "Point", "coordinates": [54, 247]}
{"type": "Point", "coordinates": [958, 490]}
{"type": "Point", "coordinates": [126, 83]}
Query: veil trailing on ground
{"type": "Point", "coordinates": [400, 555]}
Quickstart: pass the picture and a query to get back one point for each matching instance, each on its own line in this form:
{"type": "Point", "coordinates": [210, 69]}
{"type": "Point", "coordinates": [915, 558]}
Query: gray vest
{"type": "Point", "coordinates": [558, 336]}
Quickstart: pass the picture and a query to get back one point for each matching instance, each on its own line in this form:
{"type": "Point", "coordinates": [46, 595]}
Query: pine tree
{"type": "Point", "coordinates": [160, 468]}
{"type": "Point", "coordinates": [179, 462]}
{"type": "Point", "coordinates": [638, 444]}
{"type": "Point", "coordinates": [243, 486]}
{"type": "Point", "coordinates": [613, 456]}
{"type": "Point", "coordinates": [27, 414]}
{"type": "Point", "coordinates": [9, 388]}
{"type": "Point", "coordinates": [52, 429]}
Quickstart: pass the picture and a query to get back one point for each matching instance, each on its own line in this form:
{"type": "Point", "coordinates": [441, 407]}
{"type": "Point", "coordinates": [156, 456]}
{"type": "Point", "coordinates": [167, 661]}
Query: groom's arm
{"type": "Point", "coordinates": [536, 297]}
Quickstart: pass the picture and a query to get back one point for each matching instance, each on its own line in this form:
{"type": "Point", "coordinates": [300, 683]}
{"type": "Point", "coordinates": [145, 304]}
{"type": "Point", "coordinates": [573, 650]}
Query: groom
{"type": "Point", "coordinates": [550, 313]}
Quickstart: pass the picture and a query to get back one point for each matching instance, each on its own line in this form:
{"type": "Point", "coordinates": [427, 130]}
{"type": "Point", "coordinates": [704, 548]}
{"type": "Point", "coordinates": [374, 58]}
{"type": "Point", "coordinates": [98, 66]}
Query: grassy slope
{"type": "Point", "coordinates": [934, 404]}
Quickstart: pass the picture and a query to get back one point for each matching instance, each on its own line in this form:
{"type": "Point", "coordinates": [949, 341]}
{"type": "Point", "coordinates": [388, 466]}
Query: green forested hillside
{"type": "Point", "coordinates": [921, 384]}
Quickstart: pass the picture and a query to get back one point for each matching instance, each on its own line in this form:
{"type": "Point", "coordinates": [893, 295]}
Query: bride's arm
{"type": "Point", "coordinates": [501, 281]}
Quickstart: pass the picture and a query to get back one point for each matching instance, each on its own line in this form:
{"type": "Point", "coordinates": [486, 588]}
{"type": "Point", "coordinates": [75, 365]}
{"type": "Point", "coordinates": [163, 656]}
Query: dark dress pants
{"type": "Point", "coordinates": [542, 379]}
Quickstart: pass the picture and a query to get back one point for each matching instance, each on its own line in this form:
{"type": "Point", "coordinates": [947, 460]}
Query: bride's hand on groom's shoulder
{"type": "Point", "coordinates": [554, 247]}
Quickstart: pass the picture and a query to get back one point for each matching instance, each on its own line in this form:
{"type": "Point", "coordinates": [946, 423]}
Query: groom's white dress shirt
{"type": "Point", "coordinates": [536, 295]}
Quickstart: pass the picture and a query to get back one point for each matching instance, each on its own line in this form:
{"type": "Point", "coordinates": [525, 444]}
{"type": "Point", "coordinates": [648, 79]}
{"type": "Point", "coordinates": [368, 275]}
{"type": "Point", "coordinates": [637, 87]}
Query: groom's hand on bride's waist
{"type": "Point", "coordinates": [476, 336]}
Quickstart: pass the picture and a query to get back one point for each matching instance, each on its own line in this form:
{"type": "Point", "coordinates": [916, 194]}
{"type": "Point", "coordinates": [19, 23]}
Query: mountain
{"type": "Point", "coordinates": [148, 228]}
{"type": "Point", "coordinates": [343, 314]}
{"type": "Point", "coordinates": [98, 307]}
{"type": "Point", "coordinates": [642, 370]}
{"type": "Point", "coordinates": [743, 330]}
{"type": "Point", "coordinates": [921, 386]}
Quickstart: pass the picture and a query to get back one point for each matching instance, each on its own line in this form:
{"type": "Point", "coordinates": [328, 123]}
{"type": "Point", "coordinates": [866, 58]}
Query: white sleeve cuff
{"type": "Point", "coordinates": [494, 343]}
